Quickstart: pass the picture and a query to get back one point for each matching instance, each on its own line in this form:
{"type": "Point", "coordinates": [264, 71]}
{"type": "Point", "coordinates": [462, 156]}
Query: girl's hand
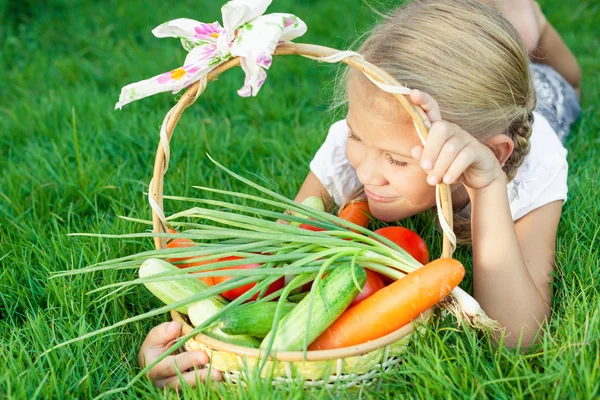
{"type": "Point", "coordinates": [190, 363]}
{"type": "Point", "coordinates": [451, 154]}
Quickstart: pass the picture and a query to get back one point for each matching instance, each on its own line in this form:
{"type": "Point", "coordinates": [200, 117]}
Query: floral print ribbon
{"type": "Point", "coordinates": [246, 33]}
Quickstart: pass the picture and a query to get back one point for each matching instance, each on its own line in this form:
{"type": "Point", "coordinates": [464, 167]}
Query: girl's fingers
{"type": "Point", "coordinates": [416, 152]}
{"type": "Point", "coordinates": [438, 135]}
{"type": "Point", "coordinates": [191, 378]}
{"type": "Point", "coordinates": [428, 104]}
{"type": "Point", "coordinates": [168, 367]}
{"type": "Point", "coordinates": [162, 335]}
{"type": "Point", "coordinates": [158, 340]}
{"type": "Point", "coordinates": [448, 154]}
{"type": "Point", "coordinates": [462, 161]}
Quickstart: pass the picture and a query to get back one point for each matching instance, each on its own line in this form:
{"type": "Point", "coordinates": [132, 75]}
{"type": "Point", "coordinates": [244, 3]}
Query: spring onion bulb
{"type": "Point", "coordinates": [466, 308]}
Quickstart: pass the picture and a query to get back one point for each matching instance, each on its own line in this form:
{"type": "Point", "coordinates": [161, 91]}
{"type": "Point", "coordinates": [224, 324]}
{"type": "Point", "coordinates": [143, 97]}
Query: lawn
{"type": "Point", "coordinates": [70, 163]}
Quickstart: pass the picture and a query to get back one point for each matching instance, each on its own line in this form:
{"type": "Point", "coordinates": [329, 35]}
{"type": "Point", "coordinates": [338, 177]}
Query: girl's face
{"type": "Point", "coordinates": [380, 138]}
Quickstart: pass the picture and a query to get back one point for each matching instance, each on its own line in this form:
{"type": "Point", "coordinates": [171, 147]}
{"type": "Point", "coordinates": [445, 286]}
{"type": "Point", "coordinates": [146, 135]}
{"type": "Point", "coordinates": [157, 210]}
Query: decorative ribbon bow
{"type": "Point", "coordinates": [247, 33]}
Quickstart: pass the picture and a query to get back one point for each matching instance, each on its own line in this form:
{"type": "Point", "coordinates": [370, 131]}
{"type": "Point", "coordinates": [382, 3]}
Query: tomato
{"type": "Point", "coordinates": [412, 243]}
{"type": "Point", "coordinates": [313, 228]}
{"type": "Point", "coordinates": [237, 292]}
{"type": "Point", "coordinates": [183, 242]}
{"type": "Point", "coordinates": [374, 283]}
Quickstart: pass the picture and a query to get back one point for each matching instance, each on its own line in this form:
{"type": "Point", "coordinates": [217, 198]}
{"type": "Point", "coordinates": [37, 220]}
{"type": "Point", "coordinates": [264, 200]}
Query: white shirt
{"type": "Point", "coordinates": [541, 179]}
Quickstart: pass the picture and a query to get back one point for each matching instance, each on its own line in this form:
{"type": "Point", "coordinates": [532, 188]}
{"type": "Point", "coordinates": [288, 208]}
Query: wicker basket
{"type": "Point", "coordinates": [349, 366]}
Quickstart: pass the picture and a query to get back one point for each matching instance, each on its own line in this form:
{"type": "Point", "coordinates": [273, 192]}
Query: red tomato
{"type": "Point", "coordinates": [237, 292]}
{"type": "Point", "coordinates": [182, 242]}
{"type": "Point", "coordinates": [312, 228]}
{"type": "Point", "coordinates": [374, 283]}
{"type": "Point", "coordinates": [412, 243]}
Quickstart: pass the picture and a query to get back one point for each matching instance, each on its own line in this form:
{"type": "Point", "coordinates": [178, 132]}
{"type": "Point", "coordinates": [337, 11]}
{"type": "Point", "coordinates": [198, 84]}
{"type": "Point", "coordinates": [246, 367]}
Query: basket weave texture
{"type": "Point", "coordinates": [318, 365]}
{"type": "Point", "coordinates": [349, 366]}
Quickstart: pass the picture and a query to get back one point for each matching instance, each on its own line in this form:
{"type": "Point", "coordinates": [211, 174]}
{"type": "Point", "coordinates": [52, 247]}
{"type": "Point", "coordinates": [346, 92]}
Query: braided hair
{"type": "Point", "coordinates": [520, 132]}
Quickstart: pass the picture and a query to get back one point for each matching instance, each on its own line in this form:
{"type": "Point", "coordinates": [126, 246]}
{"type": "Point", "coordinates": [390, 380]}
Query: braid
{"type": "Point", "coordinates": [520, 132]}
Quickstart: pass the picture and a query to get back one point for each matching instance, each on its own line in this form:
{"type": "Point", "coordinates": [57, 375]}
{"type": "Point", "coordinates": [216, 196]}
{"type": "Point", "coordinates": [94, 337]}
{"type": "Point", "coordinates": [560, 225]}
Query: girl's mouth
{"type": "Point", "coordinates": [377, 198]}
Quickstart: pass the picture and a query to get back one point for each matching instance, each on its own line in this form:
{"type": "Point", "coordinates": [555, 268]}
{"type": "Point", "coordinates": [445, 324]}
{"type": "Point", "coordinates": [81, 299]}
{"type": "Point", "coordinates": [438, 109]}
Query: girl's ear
{"type": "Point", "coordinates": [502, 146]}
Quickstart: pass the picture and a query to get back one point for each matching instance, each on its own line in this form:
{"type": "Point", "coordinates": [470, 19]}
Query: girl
{"type": "Point", "coordinates": [501, 154]}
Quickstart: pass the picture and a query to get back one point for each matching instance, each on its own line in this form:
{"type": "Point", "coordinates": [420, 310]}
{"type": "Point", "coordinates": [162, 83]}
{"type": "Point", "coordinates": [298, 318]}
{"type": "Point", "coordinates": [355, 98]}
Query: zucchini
{"type": "Point", "coordinates": [171, 291]}
{"type": "Point", "coordinates": [253, 319]}
{"type": "Point", "coordinates": [312, 202]}
{"type": "Point", "coordinates": [337, 292]}
{"type": "Point", "coordinates": [198, 313]}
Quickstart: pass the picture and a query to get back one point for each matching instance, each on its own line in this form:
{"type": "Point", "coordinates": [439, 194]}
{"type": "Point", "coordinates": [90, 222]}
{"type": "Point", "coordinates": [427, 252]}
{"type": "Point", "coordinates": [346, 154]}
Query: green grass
{"type": "Point", "coordinates": [69, 59]}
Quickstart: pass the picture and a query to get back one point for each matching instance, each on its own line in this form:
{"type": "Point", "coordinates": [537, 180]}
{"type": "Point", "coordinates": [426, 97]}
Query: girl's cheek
{"type": "Point", "coordinates": [412, 184]}
{"type": "Point", "coordinates": [354, 153]}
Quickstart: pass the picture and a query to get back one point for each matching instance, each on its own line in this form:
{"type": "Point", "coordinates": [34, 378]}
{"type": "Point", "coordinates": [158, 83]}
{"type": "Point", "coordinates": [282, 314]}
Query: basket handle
{"type": "Point", "coordinates": [307, 50]}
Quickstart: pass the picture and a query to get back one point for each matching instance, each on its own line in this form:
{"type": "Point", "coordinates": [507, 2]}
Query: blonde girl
{"type": "Point", "coordinates": [502, 156]}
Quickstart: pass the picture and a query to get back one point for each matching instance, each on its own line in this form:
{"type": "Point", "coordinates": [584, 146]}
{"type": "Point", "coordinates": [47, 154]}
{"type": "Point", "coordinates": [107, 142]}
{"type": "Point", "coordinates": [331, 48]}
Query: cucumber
{"type": "Point", "coordinates": [337, 292]}
{"type": "Point", "coordinates": [253, 319]}
{"type": "Point", "coordinates": [198, 314]}
{"type": "Point", "coordinates": [171, 291]}
{"type": "Point", "coordinates": [312, 202]}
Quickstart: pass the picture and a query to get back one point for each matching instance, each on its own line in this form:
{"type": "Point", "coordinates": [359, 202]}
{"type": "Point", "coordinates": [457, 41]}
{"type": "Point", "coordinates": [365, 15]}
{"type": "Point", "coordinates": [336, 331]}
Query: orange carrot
{"type": "Point", "coordinates": [356, 212]}
{"type": "Point", "coordinates": [392, 307]}
{"type": "Point", "coordinates": [184, 242]}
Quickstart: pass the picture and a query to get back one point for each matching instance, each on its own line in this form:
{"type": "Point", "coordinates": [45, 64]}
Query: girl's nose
{"type": "Point", "coordinates": [368, 171]}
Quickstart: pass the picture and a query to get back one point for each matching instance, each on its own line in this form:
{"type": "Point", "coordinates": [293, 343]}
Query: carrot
{"type": "Point", "coordinates": [356, 212]}
{"type": "Point", "coordinates": [392, 307]}
{"type": "Point", "coordinates": [184, 242]}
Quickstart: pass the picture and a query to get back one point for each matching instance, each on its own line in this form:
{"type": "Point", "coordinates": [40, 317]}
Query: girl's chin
{"type": "Point", "coordinates": [395, 211]}
{"type": "Point", "coordinates": [386, 213]}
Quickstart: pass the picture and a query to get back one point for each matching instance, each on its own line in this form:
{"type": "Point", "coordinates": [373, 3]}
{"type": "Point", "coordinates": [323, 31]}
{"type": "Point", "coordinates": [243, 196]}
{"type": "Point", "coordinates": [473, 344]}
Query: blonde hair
{"type": "Point", "coordinates": [467, 57]}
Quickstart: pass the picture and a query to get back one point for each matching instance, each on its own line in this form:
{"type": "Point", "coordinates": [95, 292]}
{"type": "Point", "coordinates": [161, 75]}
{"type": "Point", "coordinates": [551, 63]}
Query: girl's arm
{"type": "Point", "coordinates": [512, 262]}
{"type": "Point", "coordinates": [522, 15]}
{"type": "Point", "coordinates": [312, 186]}
{"type": "Point", "coordinates": [542, 41]}
{"type": "Point", "coordinates": [554, 52]}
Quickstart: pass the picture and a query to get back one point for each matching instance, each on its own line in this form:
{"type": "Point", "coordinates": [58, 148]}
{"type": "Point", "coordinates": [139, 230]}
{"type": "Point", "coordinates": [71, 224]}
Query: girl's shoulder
{"type": "Point", "coordinates": [331, 165]}
{"type": "Point", "coordinates": [542, 178]}
{"type": "Point", "coordinates": [338, 133]}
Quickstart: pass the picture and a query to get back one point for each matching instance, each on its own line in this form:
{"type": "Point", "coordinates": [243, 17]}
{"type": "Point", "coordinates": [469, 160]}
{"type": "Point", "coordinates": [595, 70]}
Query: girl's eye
{"type": "Point", "coordinates": [396, 162]}
{"type": "Point", "coordinates": [352, 136]}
